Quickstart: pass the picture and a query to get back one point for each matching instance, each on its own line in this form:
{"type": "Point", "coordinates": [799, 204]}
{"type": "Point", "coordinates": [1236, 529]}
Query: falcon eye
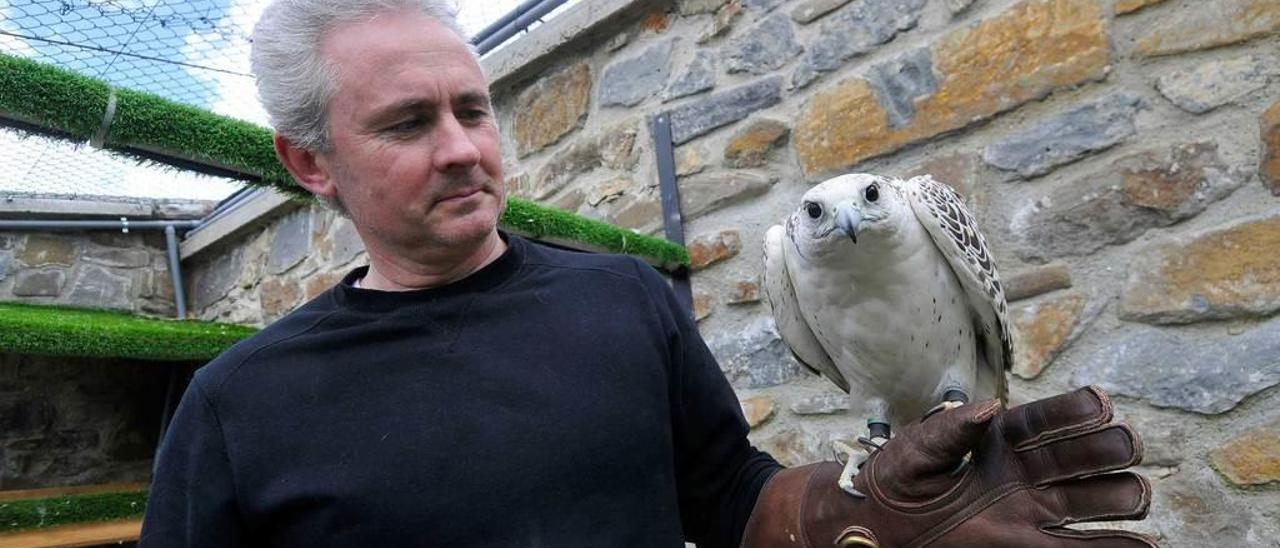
{"type": "Point", "coordinates": [813, 209]}
{"type": "Point", "coordinates": [872, 193]}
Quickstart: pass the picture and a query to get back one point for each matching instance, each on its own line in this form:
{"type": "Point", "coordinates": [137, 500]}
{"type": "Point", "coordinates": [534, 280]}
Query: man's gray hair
{"type": "Point", "coordinates": [295, 83]}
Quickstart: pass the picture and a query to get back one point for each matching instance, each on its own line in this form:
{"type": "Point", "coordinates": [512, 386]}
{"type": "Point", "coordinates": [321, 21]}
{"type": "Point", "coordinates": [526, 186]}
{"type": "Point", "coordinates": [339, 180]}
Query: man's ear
{"type": "Point", "coordinates": [311, 171]}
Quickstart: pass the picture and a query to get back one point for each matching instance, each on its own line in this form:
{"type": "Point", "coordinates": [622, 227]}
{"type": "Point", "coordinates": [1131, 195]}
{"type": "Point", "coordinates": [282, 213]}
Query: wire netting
{"type": "Point", "coordinates": [190, 51]}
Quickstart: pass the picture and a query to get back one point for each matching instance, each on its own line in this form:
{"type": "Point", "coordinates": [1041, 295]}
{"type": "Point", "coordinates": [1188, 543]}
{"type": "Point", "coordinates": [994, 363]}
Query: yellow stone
{"type": "Point", "coordinates": [1035, 47]}
{"type": "Point", "coordinates": [1208, 24]}
{"type": "Point", "coordinates": [1129, 6]}
{"type": "Point", "coordinates": [1227, 271]}
{"type": "Point", "coordinates": [1269, 170]}
{"type": "Point", "coordinates": [757, 410]}
{"type": "Point", "coordinates": [552, 108]}
{"type": "Point", "coordinates": [1251, 459]}
{"type": "Point", "coordinates": [1043, 331]}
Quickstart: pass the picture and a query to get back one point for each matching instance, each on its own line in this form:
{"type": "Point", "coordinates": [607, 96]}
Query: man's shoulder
{"type": "Point", "coordinates": [608, 264]}
{"type": "Point", "coordinates": [303, 320]}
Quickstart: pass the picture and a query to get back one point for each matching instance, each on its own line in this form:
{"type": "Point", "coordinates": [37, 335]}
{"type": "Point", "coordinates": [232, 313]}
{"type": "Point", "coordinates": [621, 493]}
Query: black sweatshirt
{"type": "Point", "coordinates": [552, 399]}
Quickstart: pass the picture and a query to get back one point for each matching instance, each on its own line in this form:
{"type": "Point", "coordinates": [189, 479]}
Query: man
{"type": "Point", "coordinates": [470, 388]}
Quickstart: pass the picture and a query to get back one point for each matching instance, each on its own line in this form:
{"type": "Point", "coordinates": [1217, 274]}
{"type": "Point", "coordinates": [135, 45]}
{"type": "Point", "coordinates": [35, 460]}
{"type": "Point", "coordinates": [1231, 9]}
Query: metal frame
{"type": "Point", "coordinates": [672, 221]}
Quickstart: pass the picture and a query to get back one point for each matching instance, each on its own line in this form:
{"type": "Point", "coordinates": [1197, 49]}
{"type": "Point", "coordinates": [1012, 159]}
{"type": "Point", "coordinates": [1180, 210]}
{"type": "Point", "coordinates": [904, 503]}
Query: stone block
{"type": "Point", "coordinates": [347, 244]}
{"type": "Point", "coordinates": [708, 249]}
{"type": "Point", "coordinates": [802, 444]}
{"type": "Point", "coordinates": [1032, 281]}
{"type": "Point", "coordinates": [1208, 86]}
{"type": "Point", "coordinates": [45, 282]}
{"type": "Point", "coordinates": [1045, 328]}
{"type": "Point", "coordinates": [810, 10]}
{"type": "Point", "coordinates": [10, 241]}
{"type": "Point", "coordinates": [1179, 369]}
{"type": "Point", "coordinates": [855, 29]}
{"type": "Point", "coordinates": [613, 147]}
{"type": "Point", "coordinates": [98, 287]}
{"type": "Point", "coordinates": [697, 76]}
{"type": "Point", "coordinates": [765, 47]}
{"type": "Point", "coordinates": [551, 108]}
{"type": "Point", "coordinates": [320, 282]}
{"type": "Point", "coordinates": [607, 190]}
{"type": "Point", "coordinates": [44, 250]}
{"type": "Point", "coordinates": [1269, 168]}
{"type": "Point", "coordinates": [899, 83]}
{"type": "Point", "coordinates": [757, 410]}
{"type": "Point", "coordinates": [958, 170]}
{"type": "Point", "coordinates": [278, 296]}
{"type": "Point", "coordinates": [629, 81]}
{"type": "Point", "coordinates": [6, 260]}
{"type": "Point", "coordinates": [822, 404]}
{"type": "Point", "coordinates": [212, 281]}
{"type": "Point", "coordinates": [1114, 206]}
{"type": "Point", "coordinates": [1023, 54]}
{"type": "Point", "coordinates": [719, 109]}
{"type": "Point", "coordinates": [292, 242]}
{"type": "Point", "coordinates": [1130, 6]}
{"type": "Point", "coordinates": [751, 145]}
{"type": "Point", "coordinates": [1252, 458]}
{"type": "Point", "coordinates": [690, 159]}
{"type": "Point", "coordinates": [701, 306]}
{"type": "Point", "coordinates": [1223, 273]}
{"type": "Point", "coordinates": [569, 201]}
{"type": "Point", "coordinates": [702, 194]}
{"type": "Point", "coordinates": [1085, 129]}
{"type": "Point", "coordinates": [755, 356]}
{"type": "Point", "coordinates": [694, 7]}
{"type": "Point", "coordinates": [723, 20]}
{"type": "Point", "coordinates": [640, 212]}
{"type": "Point", "coordinates": [1192, 26]}
{"type": "Point", "coordinates": [117, 257]}
{"type": "Point", "coordinates": [744, 292]}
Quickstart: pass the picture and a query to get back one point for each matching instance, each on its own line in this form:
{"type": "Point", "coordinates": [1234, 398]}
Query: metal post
{"type": "Point", "coordinates": [672, 222]}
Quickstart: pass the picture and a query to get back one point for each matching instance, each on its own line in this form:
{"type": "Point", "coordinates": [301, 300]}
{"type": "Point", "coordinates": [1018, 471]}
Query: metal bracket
{"type": "Point", "coordinates": [672, 222]}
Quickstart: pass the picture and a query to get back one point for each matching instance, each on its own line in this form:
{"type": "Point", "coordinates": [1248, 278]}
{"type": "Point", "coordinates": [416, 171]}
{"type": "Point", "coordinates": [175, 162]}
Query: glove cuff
{"type": "Point", "coordinates": [804, 508]}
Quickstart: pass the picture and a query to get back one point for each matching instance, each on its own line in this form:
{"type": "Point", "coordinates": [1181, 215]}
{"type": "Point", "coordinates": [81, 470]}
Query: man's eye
{"type": "Point", "coordinates": [474, 114]}
{"type": "Point", "coordinates": [405, 126]}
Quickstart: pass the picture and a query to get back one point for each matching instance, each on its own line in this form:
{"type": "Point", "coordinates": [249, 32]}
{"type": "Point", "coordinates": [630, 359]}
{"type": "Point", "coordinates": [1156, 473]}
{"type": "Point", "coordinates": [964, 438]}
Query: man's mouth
{"type": "Point", "coordinates": [462, 194]}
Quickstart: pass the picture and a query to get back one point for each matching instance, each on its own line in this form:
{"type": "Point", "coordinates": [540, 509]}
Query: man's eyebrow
{"type": "Point", "coordinates": [473, 98]}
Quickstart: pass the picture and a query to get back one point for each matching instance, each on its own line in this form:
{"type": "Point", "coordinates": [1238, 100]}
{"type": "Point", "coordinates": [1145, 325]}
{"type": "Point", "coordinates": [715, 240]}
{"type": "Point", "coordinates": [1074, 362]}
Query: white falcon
{"type": "Point", "coordinates": [885, 287]}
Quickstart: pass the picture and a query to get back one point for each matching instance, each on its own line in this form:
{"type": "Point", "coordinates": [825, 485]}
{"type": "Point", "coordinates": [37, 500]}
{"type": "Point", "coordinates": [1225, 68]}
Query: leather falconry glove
{"type": "Point", "coordinates": [1035, 469]}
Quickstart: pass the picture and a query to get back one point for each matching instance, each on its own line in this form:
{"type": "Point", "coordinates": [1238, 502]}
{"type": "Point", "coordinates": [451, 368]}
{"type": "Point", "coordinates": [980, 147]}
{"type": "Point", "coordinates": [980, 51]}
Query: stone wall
{"type": "Point", "coordinates": [75, 421]}
{"type": "Point", "coordinates": [1122, 156]}
{"type": "Point", "coordinates": [98, 269]}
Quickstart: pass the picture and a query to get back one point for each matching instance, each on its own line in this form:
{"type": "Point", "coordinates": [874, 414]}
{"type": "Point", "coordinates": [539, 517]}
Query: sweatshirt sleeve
{"type": "Point", "coordinates": [719, 473]}
{"type": "Point", "coordinates": [192, 500]}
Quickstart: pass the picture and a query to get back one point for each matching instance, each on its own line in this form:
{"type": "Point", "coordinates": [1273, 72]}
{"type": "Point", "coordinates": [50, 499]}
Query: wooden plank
{"type": "Point", "coordinates": [89, 534]}
{"type": "Point", "coordinates": [28, 494]}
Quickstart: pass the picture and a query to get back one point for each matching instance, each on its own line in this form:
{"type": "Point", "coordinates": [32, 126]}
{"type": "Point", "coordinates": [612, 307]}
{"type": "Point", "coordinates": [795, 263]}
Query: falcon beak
{"type": "Point", "coordinates": [848, 217]}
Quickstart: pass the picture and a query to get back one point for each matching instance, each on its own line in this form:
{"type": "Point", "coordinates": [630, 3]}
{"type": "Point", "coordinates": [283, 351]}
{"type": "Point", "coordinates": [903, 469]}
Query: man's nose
{"type": "Point", "coordinates": [454, 146]}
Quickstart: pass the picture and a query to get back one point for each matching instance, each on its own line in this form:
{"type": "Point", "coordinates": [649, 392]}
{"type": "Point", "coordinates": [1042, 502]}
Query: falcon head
{"type": "Point", "coordinates": [840, 214]}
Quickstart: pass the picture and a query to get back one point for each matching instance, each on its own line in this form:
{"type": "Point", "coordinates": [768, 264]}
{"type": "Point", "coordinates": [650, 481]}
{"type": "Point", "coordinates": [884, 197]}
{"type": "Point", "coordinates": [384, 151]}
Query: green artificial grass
{"type": "Point", "coordinates": [21, 515]}
{"type": "Point", "coordinates": [150, 127]}
{"type": "Point", "coordinates": [539, 222]}
{"type": "Point", "coordinates": [56, 331]}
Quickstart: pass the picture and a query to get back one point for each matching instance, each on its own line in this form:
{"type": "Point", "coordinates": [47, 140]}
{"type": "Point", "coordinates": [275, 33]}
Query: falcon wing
{"type": "Point", "coordinates": [786, 309]}
{"type": "Point", "coordinates": [944, 216]}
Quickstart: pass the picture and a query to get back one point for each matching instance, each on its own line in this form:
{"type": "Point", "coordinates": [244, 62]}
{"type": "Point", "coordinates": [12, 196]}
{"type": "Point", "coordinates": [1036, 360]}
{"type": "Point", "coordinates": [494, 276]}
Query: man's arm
{"type": "Point", "coordinates": [192, 500]}
{"type": "Point", "coordinates": [719, 473]}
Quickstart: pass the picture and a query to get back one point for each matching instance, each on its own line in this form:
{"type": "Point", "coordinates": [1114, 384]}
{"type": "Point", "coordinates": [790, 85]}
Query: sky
{"type": "Point", "coordinates": [192, 51]}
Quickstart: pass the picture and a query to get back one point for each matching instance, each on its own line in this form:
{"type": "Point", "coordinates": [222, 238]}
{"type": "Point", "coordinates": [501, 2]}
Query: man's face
{"type": "Point", "coordinates": [414, 148]}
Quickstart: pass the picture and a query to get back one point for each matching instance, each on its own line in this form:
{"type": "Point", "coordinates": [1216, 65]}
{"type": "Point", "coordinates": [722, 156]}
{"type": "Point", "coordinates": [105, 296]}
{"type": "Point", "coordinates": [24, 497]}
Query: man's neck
{"type": "Point", "coordinates": [390, 273]}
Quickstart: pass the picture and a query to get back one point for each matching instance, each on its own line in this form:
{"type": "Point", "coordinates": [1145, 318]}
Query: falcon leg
{"type": "Point", "coordinates": [878, 433]}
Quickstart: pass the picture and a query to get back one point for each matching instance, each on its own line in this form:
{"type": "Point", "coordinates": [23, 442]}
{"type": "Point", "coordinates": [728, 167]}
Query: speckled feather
{"type": "Point", "coordinates": [943, 213]}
